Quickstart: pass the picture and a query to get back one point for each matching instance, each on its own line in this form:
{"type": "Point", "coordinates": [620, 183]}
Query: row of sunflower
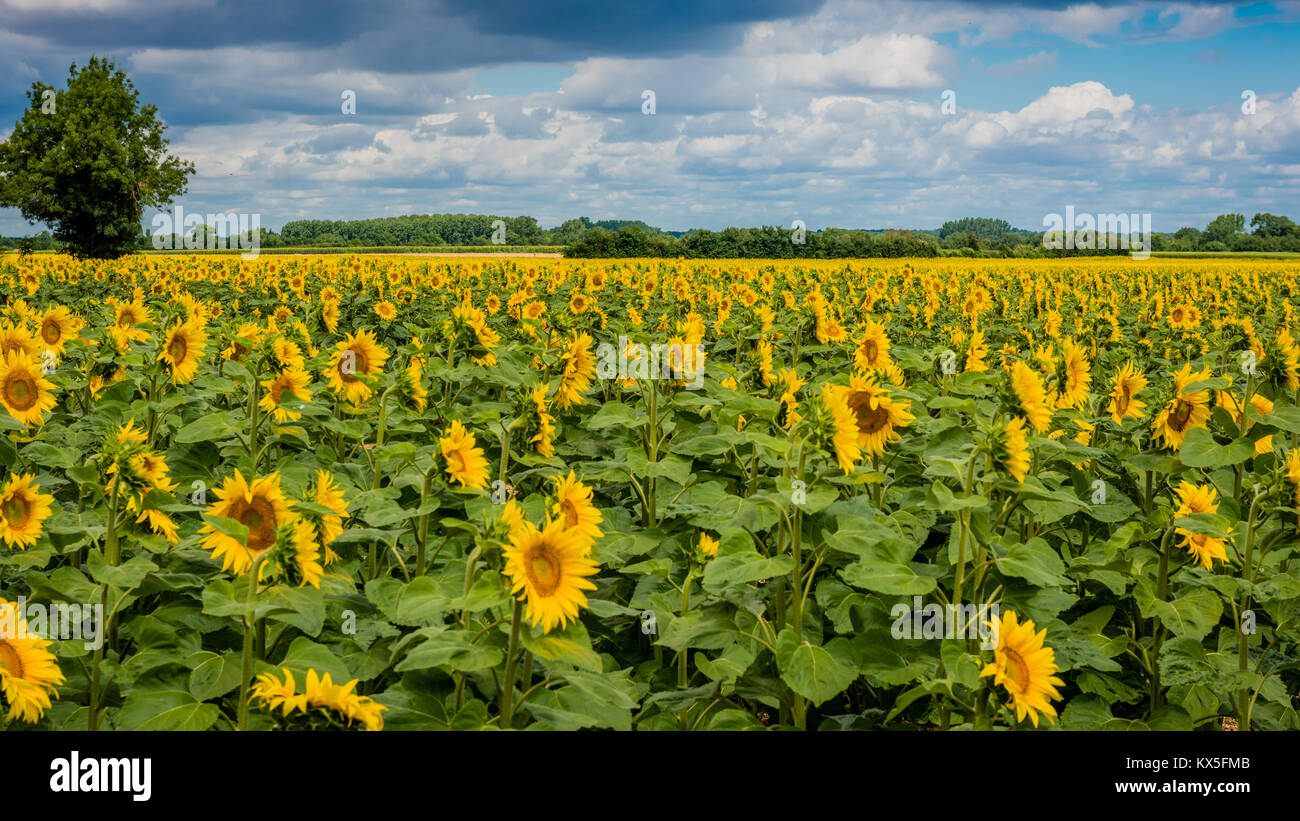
{"type": "Point", "coordinates": [489, 493]}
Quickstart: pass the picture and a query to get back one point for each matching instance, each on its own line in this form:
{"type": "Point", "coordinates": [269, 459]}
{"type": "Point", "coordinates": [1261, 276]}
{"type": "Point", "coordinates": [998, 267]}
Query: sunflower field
{"type": "Point", "coordinates": [392, 493]}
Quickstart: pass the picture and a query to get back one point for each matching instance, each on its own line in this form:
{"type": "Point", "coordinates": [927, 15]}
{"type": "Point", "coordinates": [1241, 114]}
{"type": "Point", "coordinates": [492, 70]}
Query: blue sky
{"type": "Point", "coordinates": [767, 111]}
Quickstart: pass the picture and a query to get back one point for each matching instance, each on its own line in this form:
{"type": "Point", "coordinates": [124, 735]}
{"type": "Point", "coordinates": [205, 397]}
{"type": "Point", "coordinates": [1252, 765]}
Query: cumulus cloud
{"type": "Point", "coordinates": [825, 111]}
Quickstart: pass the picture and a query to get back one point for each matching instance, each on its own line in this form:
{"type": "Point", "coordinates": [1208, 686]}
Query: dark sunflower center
{"type": "Point", "coordinates": [1017, 670]}
{"type": "Point", "coordinates": [570, 513]}
{"type": "Point", "coordinates": [870, 420]}
{"type": "Point", "coordinates": [16, 511]}
{"type": "Point", "coordinates": [544, 569]}
{"type": "Point", "coordinates": [177, 348]}
{"type": "Point", "coordinates": [10, 660]}
{"type": "Point", "coordinates": [259, 517]}
{"type": "Point", "coordinates": [870, 349]}
{"type": "Point", "coordinates": [359, 364]}
{"type": "Point", "coordinates": [1181, 415]}
{"type": "Point", "coordinates": [20, 391]}
{"type": "Point", "coordinates": [50, 332]}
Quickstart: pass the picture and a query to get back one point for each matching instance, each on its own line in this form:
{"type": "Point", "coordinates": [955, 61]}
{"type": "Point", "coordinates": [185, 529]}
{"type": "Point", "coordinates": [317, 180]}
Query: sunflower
{"type": "Point", "coordinates": [877, 415]}
{"type": "Point", "coordinates": [160, 523]}
{"type": "Point", "coordinates": [1185, 410]}
{"type": "Point", "coordinates": [288, 354]}
{"type": "Point", "coordinates": [23, 510]}
{"type": "Point", "coordinates": [579, 370]}
{"type": "Point", "coordinates": [706, 548]}
{"type": "Point", "coordinates": [573, 505]}
{"type": "Point", "coordinates": [1129, 382]}
{"type": "Point", "coordinates": [844, 433]}
{"type": "Point", "coordinates": [1293, 474]}
{"type": "Point", "coordinates": [872, 352]}
{"type": "Point", "coordinates": [385, 311]}
{"type": "Point", "coordinates": [329, 314]}
{"type": "Point", "coordinates": [465, 461]}
{"type": "Point", "coordinates": [24, 391]}
{"type": "Point", "coordinates": [1184, 316]}
{"type": "Point", "coordinates": [355, 358]}
{"type": "Point", "coordinates": [1013, 449]}
{"type": "Point", "coordinates": [544, 441]}
{"type": "Point", "coordinates": [412, 384]}
{"type": "Point", "coordinates": [183, 350]}
{"type": "Point", "coordinates": [126, 316]}
{"type": "Point", "coordinates": [1262, 405]}
{"type": "Point", "coordinates": [274, 693]}
{"type": "Point", "coordinates": [1197, 499]}
{"type": "Point", "coordinates": [298, 557]}
{"type": "Point", "coordinates": [259, 506]}
{"type": "Point", "coordinates": [1076, 378]}
{"type": "Point", "coordinates": [330, 527]}
{"type": "Point", "coordinates": [548, 569]}
{"type": "Point", "coordinates": [1032, 397]}
{"type": "Point", "coordinates": [285, 394]}
{"type": "Point", "coordinates": [56, 326]}
{"type": "Point", "coordinates": [322, 703]}
{"type": "Point", "coordinates": [16, 339]}
{"type": "Point", "coordinates": [29, 673]}
{"type": "Point", "coordinates": [975, 354]}
{"type": "Point", "coordinates": [321, 691]}
{"type": "Point", "coordinates": [1026, 668]}
{"type": "Point", "coordinates": [828, 329]}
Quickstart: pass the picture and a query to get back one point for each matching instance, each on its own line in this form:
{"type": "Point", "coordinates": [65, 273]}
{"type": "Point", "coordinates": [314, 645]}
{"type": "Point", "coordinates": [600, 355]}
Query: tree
{"type": "Point", "coordinates": [86, 161]}
{"type": "Point", "coordinates": [1267, 225]}
{"type": "Point", "coordinates": [1225, 227]}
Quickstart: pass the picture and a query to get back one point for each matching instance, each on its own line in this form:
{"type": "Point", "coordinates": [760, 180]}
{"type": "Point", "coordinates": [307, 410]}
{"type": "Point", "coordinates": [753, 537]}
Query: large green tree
{"type": "Point", "coordinates": [87, 160]}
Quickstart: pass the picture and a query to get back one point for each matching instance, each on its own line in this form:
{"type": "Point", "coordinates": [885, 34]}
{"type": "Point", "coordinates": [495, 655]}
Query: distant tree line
{"type": "Point", "coordinates": [583, 237]}
{"type": "Point", "coordinates": [767, 242]}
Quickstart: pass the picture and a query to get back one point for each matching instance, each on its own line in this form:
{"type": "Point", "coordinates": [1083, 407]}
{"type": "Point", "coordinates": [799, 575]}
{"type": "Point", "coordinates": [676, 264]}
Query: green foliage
{"type": "Point", "coordinates": [88, 159]}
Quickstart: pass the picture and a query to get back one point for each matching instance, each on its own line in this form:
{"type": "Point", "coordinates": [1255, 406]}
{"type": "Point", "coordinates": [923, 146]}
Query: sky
{"type": "Point", "coordinates": [902, 113]}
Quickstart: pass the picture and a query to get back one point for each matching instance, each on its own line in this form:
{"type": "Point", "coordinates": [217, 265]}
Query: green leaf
{"type": "Point", "coordinates": [892, 578]}
{"type": "Point", "coordinates": [1199, 450]}
{"type": "Point", "coordinates": [740, 568]}
{"type": "Point", "coordinates": [126, 576]}
{"type": "Point", "coordinates": [214, 674]}
{"type": "Point", "coordinates": [817, 673]}
{"type": "Point", "coordinates": [1034, 561]}
{"type": "Point", "coordinates": [161, 700]}
{"type": "Point", "coordinates": [451, 650]}
{"type": "Point", "coordinates": [1191, 614]}
{"type": "Point", "coordinates": [207, 428]}
{"type": "Point", "coordinates": [305, 654]}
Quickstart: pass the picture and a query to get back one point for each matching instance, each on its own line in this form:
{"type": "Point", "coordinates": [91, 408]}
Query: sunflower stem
{"type": "Point", "coordinates": [1162, 582]}
{"type": "Point", "coordinates": [1243, 641]}
{"type": "Point", "coordinates": [508, 683]}
{"type": "Point", "coordinates": [683, 674]}
{"type": "Point", "coordinates": [423, 540]}
{"type": "Point", "coordinates": [250, 623]}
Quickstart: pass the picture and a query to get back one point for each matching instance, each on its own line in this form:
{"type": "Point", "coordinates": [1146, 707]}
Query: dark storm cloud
{"type": "Point", "coordinates": [409, 35]}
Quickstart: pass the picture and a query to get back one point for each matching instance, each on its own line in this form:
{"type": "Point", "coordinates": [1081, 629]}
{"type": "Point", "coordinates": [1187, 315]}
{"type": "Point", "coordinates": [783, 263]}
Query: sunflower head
{"type": "Point", "coordinates": [24, 391]}
{"type": "Point", "coordinates": [259, 506]}
{"type": "Point", "coordinates": [549, 569]}
{"type": "Point", "coordinates": [1025, 668]}
{"type": "Point", "coordinates": [23, 511]}
{"type": "Point", "coordinates": [466, 464]}
{"type": "Point", "coordinates": [29, 673]}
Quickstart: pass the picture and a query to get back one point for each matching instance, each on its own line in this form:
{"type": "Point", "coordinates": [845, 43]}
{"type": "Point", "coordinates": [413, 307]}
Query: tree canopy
{"type": "Point", "coordinates": [87, 160]}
